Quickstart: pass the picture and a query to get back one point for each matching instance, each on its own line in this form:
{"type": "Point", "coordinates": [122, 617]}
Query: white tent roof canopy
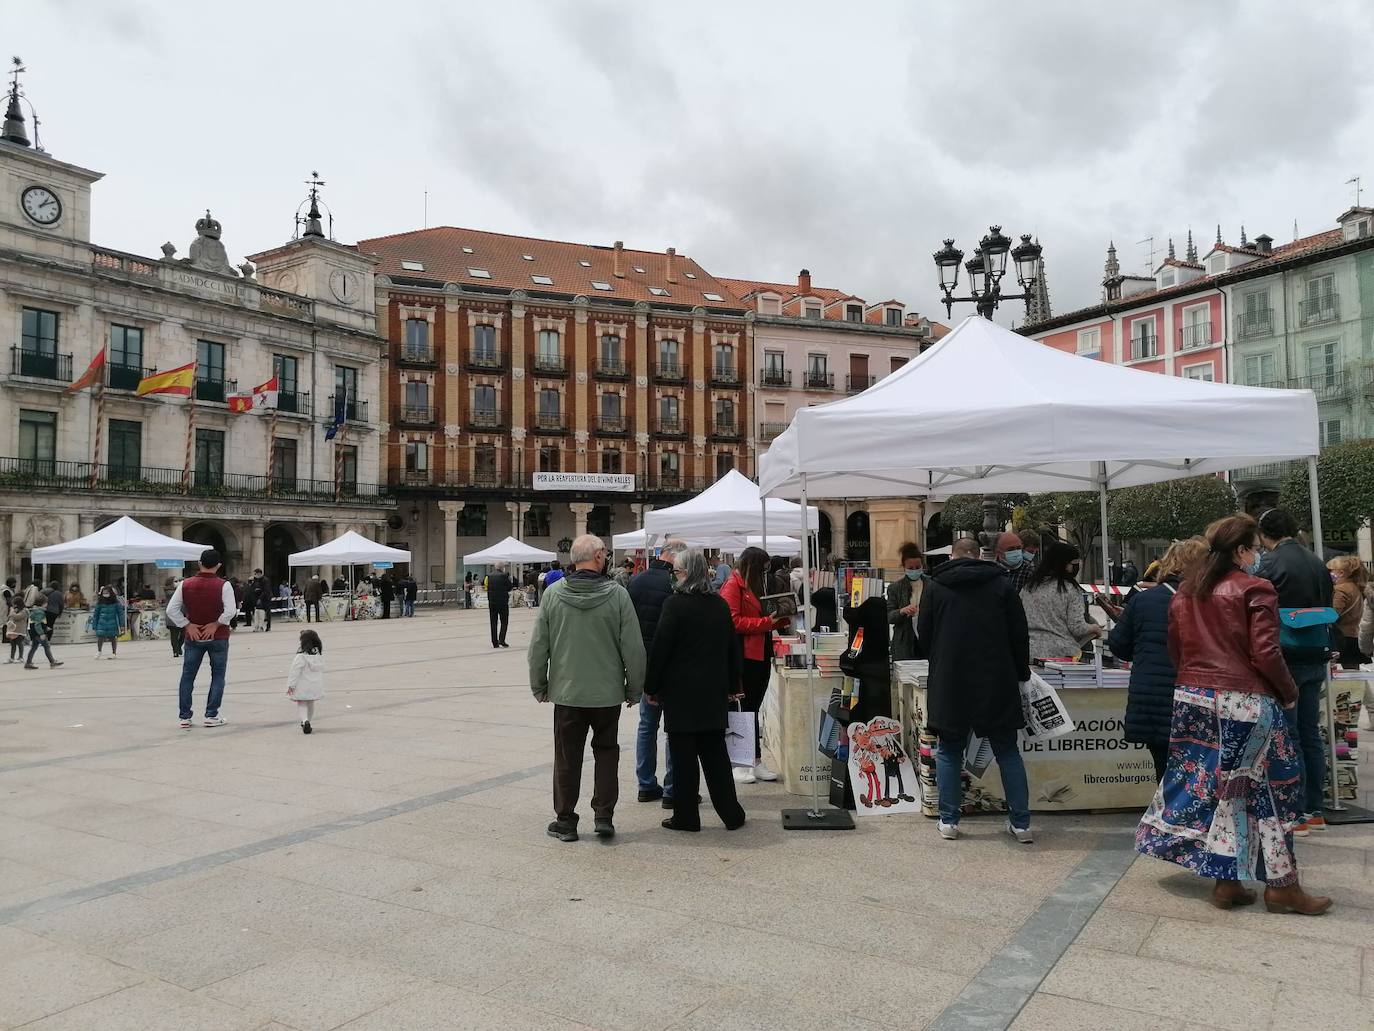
{"type": "Point", "coordinates": [348, 549]}
{"type": "Point", "coordinates": [729, 507]}
{"type": "Point", "coordinates": [989, 411]}
{"type": "Point", "coordinates": [509, 550]}
{"type": "Point", "coordinates": [635, 540]}
{"type": "Point", "coordinates": [124, 540]}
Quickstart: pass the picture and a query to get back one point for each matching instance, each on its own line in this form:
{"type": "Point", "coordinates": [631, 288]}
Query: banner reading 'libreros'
{"type": "Point", "coordinates": [623, 483]}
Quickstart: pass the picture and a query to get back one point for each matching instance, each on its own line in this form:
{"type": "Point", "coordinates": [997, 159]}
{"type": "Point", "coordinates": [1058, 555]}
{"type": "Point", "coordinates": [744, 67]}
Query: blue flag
{"type": "Point", "coordinates": [340, 416]}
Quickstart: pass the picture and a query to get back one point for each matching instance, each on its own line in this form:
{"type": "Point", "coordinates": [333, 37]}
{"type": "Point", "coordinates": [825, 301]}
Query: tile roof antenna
{"type": "Point", "coordinates": [1151, 241]}
{"type": "Point", "coordinates": [311, 219]}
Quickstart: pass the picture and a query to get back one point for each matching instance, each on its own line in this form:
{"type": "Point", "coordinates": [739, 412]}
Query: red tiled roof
{"type": "Point", "coordinates": [789, 291]}
{"type": "Point", "coordinates": [440, 251]}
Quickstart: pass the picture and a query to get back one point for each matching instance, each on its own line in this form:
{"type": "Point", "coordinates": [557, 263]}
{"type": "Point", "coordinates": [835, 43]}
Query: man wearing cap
{"type": "Point", "coordinates": [202, 606]}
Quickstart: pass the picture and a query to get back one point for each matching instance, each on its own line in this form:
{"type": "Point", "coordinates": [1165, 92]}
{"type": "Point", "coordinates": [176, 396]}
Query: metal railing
{"type": "Point", "coordinates": [119, 376]}
{"type": "Point", "coordinates": [1198, 335]}
{"type": "Point", "coordinates": [853, 384]}
{"type": "Point", "coordinates": [775, 377]}
{"type": "Point", "coordinates": [354, 411]}
{"type": "Point", "coordinates": [550, 364]}
{"type": "Point", "coordinates": [295, 402]}
{"type": "Point", "coordinates": [35, 364]}
{"type": "Point", "coordinates": [1328, 386]}
{"type": "Point", "coordinates": [724, 376]}
{"type": "Point", "coordinates": [611, 424]}
{"type": "Point", "coordinates": [416, 354]}
{"type": "Point", "coordinates": [670, 372]}
{"type": "Point", "coordinates": [1322, 308]}
{"type": "Point", "coordinates": [670, 428]}
{"type": "Point", "coordinates": [771, 430]}
{"type": "Point", "coordinates": [417, 415]}
{"type": "Point", "coordinates": [486, 419]}
{"type": "Point", "coordinates": [550, 422]}
{"type": "Point", "coordinates": [486, 359]}
{"type": "Point", "coordinates": [1263, 473]}
{"type": "Point", "coordinates": [1144, 345]}
{"type": "Point", "coordinates": [216, 390]}
{"type": "Point", "coordinates": [817, 380]}
{"type": "Point", "coordinates": [1255, 323]}
{"type": "Point", "coordinates": [725, 429]}
{"type": "Point", "coordinates": [125, 478]}
{"type": "Point", "coordinates": [613, 368]}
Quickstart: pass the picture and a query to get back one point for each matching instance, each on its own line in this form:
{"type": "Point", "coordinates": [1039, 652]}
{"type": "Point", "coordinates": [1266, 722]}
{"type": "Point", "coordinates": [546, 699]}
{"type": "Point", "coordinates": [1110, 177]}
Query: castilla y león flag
{"type": "Point", "coordinates": [264, 395]}
{"type": "Point", "coordinates": [91, 375]}
{"type": "Point", "coordinates": [174, 381]}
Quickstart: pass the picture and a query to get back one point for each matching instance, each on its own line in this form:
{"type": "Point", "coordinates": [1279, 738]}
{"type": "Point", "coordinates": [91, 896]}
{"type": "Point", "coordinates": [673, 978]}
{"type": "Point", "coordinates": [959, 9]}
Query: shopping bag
{"type": "Point", "coordinates": [770, 728]}
{"type": "Point", "coordinates": [739, 737]}
{"type": "Point", "coordinates": [1045, 714]}
{"type": "Point", "coordinates": [977, 756]}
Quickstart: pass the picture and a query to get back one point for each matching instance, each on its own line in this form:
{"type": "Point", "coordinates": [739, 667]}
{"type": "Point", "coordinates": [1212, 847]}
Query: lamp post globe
{"type": "Point", "coordinates": [947, 260]}
{"type": "Point", "coordinates": [1026, 254]}
{"type": "Point", "coordinates": [995, 247]}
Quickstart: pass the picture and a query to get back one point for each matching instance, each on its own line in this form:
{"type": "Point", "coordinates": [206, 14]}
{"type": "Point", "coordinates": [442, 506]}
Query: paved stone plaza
{"type": "Point", "coordinates": [391, 871]}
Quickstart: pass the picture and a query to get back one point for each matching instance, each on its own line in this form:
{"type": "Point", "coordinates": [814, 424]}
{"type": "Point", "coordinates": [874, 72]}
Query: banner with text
{"type": "Point", "coordinates": [623, 483]}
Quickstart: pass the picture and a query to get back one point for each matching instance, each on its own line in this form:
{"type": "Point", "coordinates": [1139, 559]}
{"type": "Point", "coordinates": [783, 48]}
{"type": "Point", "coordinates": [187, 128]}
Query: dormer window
{"type": "Point", "coordinates": [812, 311]}
{"type": "Point", "coordinates": [413, 266]}
{"type": "Point", "coordinates": [894, 316]}
{"type": "Point", "coordinates": [853, 312]}
{"type": "Point", "coordinates": [1216, 264]}
{"type": "Point", "coordinates": [1166, 278]}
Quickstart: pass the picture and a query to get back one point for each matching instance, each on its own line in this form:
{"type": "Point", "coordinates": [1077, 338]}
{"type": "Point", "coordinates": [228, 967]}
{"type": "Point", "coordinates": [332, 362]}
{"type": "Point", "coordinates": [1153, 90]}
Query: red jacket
{"type": "Point", "coordinates": [747, 612]}
{"type": "Point", "coordinates": [1230, 640]}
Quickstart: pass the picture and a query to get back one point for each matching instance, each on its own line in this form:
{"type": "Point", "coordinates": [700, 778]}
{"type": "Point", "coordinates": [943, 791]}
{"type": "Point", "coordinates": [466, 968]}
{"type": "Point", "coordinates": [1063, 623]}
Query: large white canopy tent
{"type": "Point", "coordinates": [641, 540]}
{"type": "Point", "coordinates": [123, 541]}
{"type": "Point", "coordinates": [348, 549]}
{"type": "Point", "coordinates": [730, 507]}
{"type": "Point", "coordinates": [989, 411]}
{"type": "Point", "coordinates": [509, 550]}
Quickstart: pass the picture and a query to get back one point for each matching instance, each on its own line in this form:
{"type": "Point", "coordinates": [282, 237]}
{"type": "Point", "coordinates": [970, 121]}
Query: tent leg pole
{"type": "Point", "coordinates": [1102, 515]}
{"type": "Point", "coordinates": [1318, 547]}
{"type": "Point", "coordinates": [763, 511]}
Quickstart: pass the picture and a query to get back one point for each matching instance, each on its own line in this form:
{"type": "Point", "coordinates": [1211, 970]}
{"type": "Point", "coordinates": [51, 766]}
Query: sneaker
{"type": "Point", "coordinates": [213, 721]}
{"type": "Point", "coordinates": [1021, 834]}
{"type": "Point", "coordinates": [1317, 823]}
{"type": "Point", "coordinates": [762, 772]}
{"type": "Point", "coordinates": [744, 775]}
{"type": "Point", "coordinates": [305, 727]}
{"type": "Point", "coordinates": [604, 828]}
{"type": "Point", "coordinates": [185, 724]}
{"type": "Point", "coordinates": [1300, 830]}
{"type": "Point", "coordinates": [563, 831]}
{"type": "Point", "coordinates": [948, 831]}
{"type": "Point", "coordinates": [652, 794]}
{"type": "Point", "coordinates": [54, 665]}
{"type": "Point", "coordinates": [29, 665]}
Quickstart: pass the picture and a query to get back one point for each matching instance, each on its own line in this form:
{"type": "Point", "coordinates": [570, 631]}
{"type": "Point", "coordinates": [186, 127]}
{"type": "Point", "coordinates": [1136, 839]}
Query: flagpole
{"type": "Point", "coordinates": [271, 443]}
{"type": "Point", "coordinates": [99, 418]}
{"type": "Point", "coordinates": [190, 435]}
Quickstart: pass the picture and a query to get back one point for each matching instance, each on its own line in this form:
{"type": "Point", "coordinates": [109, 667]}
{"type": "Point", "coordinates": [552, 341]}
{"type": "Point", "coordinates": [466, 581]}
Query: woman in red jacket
{"type": "Point", "coordinates": [741, 592]}
{"type": "Point", "coordinates": [1229, 799]}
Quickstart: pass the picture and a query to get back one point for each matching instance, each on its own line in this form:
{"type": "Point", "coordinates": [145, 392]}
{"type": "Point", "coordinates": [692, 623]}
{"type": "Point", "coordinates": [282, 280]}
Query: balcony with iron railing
{"type": "Point", "coordinates": [35, 364]}
{"type": "Point", "coordinates": [817, 379]}
{"type": "Point", "coordinates": [486, 359]}
{"type": "Point", "coordinates": [775, 377]}
{"type": "Point", "coordinates": [217, 391]}
{"type": "Point", "coordinates": [417, 354]}
{"type": "Point", "coordinates": [725, 429]}
{"type": "Point", "coordinates": [670, 372]}
{"type": "Point", "coordinates": [724, 376]}
{"type": "Point", "coordinates": [417, 415]}
{"type": "Point", "coordinates": [294, 402]}
{"type": "Point", "coordinates": [354, 410]}
{"type": "Point", "coordinates": [120, 376]}
{"type": "Point", "coordinates": [853, 384]}
{"type": "Point", "coordinates": [1144, 345]}
{"type": "Point", "coordinates": [667, 426]}
{"type": "Point", "coordinates": [612, 368]}
{"type": "Point", "coordinates": [487, 419]}
{"type": "Point", "coordinates": [1257, 322]}
{"type": "Point", "coordinates": [1335, 385]}
{"type": "Point", "coordinates": [1197, 335]}
{"type": "Point", "coordinates": [612, 424]}
{"type": "Point", "coordinates": [674, 481]}
{"type": "Point", "coordinates": [771, 430]}
{"type": "Point", "coordinates": [1321, 308]}
{"type": "Point", "coordinates": [550, 365]}
{"type": "Point", "coordinates": [550, 422]}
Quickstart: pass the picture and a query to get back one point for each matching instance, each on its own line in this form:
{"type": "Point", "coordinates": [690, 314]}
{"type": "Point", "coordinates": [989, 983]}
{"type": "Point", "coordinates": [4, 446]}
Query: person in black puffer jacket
{"type": "Point", "coordinates": [1141, 637]}
{"type": "Point", "coordinates": [648, 591]}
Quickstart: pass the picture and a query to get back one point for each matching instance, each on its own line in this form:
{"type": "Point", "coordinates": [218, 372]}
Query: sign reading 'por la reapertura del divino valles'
{"type": "Point", "coordinates": [623, 483]}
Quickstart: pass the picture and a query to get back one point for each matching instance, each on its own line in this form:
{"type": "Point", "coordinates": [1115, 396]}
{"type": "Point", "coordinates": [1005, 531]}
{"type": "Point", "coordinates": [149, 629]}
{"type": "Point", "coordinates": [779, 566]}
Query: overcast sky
{"type": "Point", "coordinates": [759, 138]}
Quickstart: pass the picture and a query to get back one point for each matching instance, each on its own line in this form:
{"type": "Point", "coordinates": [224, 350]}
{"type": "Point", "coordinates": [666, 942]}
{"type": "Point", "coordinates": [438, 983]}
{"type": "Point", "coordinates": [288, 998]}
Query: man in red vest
{"type": "Point", "coordinates": [203, 605]}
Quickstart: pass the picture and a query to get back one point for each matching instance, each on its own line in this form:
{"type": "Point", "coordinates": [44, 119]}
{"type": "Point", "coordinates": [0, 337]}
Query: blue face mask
{"type": "Point", "coordinates": [1013, 558]}
{"type": "Point", "coordinates": [915, 574]}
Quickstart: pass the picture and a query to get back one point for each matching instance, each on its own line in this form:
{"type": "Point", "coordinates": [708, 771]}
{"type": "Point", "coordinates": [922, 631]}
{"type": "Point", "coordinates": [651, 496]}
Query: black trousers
{"type": "Point", "coordinates": [706, 747]}
{"type": "Point", "coordinates": [386, 608]}
{"type": "Point", "coordinates": [309, 607]}
{"type": "Point", "coordinates": [756, 674]}
{"type": "Point", "coordinates": [570, 726]}
{"type": "Point", "coordinates": [176, 635]}
{"type": "Point", "coordinates": [501, 614]}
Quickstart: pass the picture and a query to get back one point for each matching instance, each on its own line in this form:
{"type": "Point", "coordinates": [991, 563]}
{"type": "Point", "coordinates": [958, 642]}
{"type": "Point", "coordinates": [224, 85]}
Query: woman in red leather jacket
{"type": "Point", "coordinates": [741, 591]}
{"type": "Point", "coordinates": [1230, 796]}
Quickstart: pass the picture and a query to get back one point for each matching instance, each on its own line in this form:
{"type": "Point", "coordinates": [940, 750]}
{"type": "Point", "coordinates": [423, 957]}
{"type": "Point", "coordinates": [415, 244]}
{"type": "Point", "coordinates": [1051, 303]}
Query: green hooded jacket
{"type": "Point", "coordinates": [587, 649]}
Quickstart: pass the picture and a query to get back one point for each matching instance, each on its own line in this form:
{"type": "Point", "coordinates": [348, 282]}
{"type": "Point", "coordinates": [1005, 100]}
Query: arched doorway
{"type": "Point", "coordinates": [279, 542]}
{"type": "Point", "coordinates": [213, 535]}
{"type": "Point", "coordinates": [937, 534]}
{"type": "Point", "coordinates": [824, 538]}
{"type": "Point", "coordinates": [856, 537]}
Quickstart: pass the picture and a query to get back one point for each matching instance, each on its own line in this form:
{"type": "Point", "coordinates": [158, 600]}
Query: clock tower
{"type": "Point", "coordinates": [45, 204]}
{"type": "Point", "coordinates": [338, 278]}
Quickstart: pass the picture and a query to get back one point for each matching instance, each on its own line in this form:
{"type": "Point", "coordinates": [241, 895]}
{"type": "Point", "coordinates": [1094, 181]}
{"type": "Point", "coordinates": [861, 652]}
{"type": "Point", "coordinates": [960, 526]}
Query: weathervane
{"type": "Point", "coordinates": [311, 219]}
{"type": "Point", "coordinates": [13, 131]}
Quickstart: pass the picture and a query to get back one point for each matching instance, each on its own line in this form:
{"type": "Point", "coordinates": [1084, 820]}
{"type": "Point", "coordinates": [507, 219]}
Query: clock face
{"type": "Point", "coordinates": [347, 286]}
{"type": "Point", "coordinates": [41, 205]}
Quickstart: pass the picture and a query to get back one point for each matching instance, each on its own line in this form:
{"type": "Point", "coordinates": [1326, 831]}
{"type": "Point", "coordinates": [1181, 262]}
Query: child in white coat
{"type": "Point", "coordinates": [305, 682]}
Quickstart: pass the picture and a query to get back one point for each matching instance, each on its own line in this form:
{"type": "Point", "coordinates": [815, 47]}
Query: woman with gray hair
{"type": "Point", "coordinates": [694, 671]}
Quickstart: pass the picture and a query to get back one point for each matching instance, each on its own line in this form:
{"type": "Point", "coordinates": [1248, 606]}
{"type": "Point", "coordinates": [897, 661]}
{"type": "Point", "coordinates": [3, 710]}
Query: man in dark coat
{"type": "Point", "coordinates": [974, 630]}
{"type": "Point", "coordinates": [313, 592]}
{"type": "Point", "coordinates": [387, 591]}
{"type": "Point", "coordinates": [649, 589]}
{"type": "Point", "coordinates": [498, 604]}
{"type": "Point", "coordinates": [410, 591]}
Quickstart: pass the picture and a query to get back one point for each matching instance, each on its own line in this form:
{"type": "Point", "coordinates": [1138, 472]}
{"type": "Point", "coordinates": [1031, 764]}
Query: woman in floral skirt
{"type": "Point", "coordinates": [1229, 799]}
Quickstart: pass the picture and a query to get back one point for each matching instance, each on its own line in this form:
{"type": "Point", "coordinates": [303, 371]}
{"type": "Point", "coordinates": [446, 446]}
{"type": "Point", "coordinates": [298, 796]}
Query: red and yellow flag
{"type": "Point", "coordinates": [174, 381]}
{"type": "Point", "coordinates": [92, 373]}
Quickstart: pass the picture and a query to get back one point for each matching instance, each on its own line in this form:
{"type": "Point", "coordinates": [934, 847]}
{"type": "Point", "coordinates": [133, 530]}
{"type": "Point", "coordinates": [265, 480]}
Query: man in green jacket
{"type": "Point", "coordinates": [587, 657]}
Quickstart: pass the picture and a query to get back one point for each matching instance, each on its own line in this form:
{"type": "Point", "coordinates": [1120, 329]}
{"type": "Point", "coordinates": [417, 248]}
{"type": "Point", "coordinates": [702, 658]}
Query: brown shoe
{"type": "Point", "coordinates": [1293, 899]}
{"type": "Point", "coordinates": [1226, 894]}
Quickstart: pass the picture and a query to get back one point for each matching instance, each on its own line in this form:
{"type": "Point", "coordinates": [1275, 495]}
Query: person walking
{"type": "Point", "coordinates": [694, 670]}
{"type": "Point", "coordinates": [410, 591]}
{"type": "Point", "coordinates": [1230, 797]}
{"type": "Point", "coordinates": [38, 630]}
{"type": "Point", "coordinates": [904, 601]}
{"type": "Point", "coordinates": [305, 679]}
{"type": "Point", "coordinates": [586, 658]}
{"type": "Point", "coordinates": [313, 592]}
{"type": "Point", "coordinates": [203, 605]}
{"type": "Point", "coordinates": [1301, 581]}
{"type": "Point", "coordinates": [741, 591]}
{"type": "Point", "coordinates": [649, 590]}
{"type": "Point", "coordinates": [106, 621]}
{"type": "Point", "coordinates": [1053, 601]}
{"type": "Point", "coordinates": [16, 628]}
{"type": "Point", "coordinates": [1141, 637]}
{"type": "Point", "coordinates": [1351, 581]}
{"type": "Point", "coordinates": [498, 604]}
{"type": "Point", "coordinates": [248, 601]}
{"type": "Point", "coordinates": [974, 630]}
{"type": "Point", "coordinates": [55, 602]}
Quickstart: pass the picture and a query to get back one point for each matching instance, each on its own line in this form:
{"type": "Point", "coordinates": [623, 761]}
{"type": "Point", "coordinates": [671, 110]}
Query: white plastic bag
{"type": "Point", "coordinates": [739, 738]}
{"type": "Point", "coordinates": [1046, 716]}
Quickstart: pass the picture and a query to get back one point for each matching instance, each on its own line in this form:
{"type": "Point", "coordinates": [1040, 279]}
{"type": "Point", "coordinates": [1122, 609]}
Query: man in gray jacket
{"type": "Point", "coordinates": [587, 658]}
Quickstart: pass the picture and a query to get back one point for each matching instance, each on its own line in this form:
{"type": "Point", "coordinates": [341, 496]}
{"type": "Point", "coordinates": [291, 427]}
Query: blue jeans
{"type": "Point", "coordinates": [1303, 721]}
{"type": "Point", "coordinates": [646, 751]}
{"type": "Point", "coordinates": [408, 608]}
{"type": "Point", "coordinates": [192, 652]}
{"type": "Point", "coordinates": [949, 765]}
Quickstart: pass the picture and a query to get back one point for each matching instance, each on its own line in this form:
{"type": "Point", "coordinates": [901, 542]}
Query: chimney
{"type": "Point", "coordinates": [804, 281]}
{"type": "Point", "coordinates": [671, 275]}
{"type": "Point", "coordinates": [618, 265]}
{"type": "Point", "coordinates": [1264, 243]}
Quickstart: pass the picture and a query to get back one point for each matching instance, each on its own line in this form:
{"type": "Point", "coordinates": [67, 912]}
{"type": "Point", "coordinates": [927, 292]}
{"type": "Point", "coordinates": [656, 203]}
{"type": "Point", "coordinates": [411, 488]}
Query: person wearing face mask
{"type": "Point", "coordinates": [1302, 581]}
{"type": "Point", "coordinates": [1008, 553]}
{"type": "Point", "coordinates": [904, 601]}
{"type": "Point", "coordinates": [1054, 606]}
{"type": "Point", "coordinates": [1030, 559]}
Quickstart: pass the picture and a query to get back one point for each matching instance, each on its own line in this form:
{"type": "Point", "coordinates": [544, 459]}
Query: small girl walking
{"type": "Point", "coordinates": [106, 621]}
{"type": "Point", "coordinates": [16, 627]}
{"type": "Point", "coordinates": [305, 682]}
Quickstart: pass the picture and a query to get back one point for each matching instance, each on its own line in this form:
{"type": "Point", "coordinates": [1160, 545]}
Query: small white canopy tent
{"type": "Point", "coordinates": [123, 541]}
{"type": "Point", "coordinates": [348, 549]}
{"type": "Point", "coordinates": [640, 540]}
{"type": "Point", "coordinates": [509, 550]}
{"type": "Point", "coordinates": [730, 507]}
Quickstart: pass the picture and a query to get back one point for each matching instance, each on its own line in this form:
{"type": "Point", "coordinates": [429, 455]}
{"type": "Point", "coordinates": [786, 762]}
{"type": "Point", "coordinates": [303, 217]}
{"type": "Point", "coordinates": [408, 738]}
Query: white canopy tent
{"type": "Point", "coordinates": [123, 541]}
{"type": "Point", "coordinates": [348, 549]}
{"type": "Point", "coordinates": [730, 507]}
{"type": "Point", "coordinates": [642, 540]}
{"type": "Point", "coordinates": [509, 550]}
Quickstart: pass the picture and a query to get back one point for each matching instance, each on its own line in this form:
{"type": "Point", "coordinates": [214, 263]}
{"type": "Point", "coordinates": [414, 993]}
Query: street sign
{"type": "Point", "coordinates": [382, 565]}
{"type": "Point", "coordinates": [170, 563]}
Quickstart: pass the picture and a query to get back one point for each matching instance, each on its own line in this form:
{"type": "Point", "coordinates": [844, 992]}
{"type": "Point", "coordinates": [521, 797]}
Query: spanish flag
{"type": "Point", "coordinates": [93, 372]}
{"type": "Point", "coordinates": [174, 381]}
